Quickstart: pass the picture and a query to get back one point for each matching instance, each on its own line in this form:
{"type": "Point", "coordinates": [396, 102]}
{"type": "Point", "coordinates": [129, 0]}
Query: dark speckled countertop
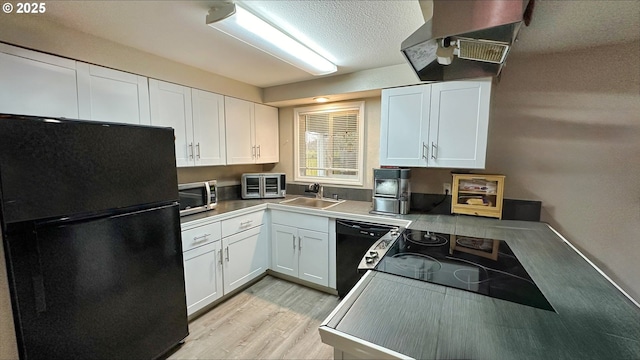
{"type": "Point", "coordinates": [593, 319]}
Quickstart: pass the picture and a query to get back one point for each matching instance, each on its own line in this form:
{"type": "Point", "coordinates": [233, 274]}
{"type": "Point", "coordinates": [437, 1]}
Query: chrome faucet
{"type": "Point", "coordinates": [317, 189]}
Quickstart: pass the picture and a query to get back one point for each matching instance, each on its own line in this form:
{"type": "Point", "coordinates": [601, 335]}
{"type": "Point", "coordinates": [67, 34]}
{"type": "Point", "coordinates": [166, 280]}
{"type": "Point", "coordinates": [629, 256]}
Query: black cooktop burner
{"type": "Point", "coordinates": [425, 238]}
{"type": "Point", "coordinates": [483, 266]}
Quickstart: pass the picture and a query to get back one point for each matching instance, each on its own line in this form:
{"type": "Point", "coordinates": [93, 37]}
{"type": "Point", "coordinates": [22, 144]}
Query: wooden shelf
{"type": "Point", "coordinates": [479, 192]}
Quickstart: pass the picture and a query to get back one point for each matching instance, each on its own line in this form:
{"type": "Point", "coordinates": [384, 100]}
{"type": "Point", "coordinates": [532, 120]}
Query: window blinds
{"type": "Point", "coordinates": [329, 144]}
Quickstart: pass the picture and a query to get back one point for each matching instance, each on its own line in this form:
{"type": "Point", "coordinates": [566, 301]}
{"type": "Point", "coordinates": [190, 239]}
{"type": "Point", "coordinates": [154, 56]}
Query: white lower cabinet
{"type": "Point", "coordinates": [221, 256]}
{"type": "Point", "coordinates": [203, 276]}
{"type": "Point", "coordinates": [245, 246]}
{"type": "Point", "coordinates": [202, 265]}
{"type": "Point", "coordinates": [245, 257]}
{"type": "Point", "coordinates": [300, 246]}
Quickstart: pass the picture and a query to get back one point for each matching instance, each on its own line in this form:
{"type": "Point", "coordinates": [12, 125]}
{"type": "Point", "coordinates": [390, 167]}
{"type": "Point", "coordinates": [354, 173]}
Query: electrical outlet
{"type": "Point", "coordinates": [446, 188]}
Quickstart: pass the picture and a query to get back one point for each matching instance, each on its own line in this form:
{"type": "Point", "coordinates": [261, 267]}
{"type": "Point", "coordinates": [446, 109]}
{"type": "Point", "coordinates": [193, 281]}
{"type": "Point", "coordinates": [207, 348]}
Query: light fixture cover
{"type": "Point", "coordinates": [239, 23]}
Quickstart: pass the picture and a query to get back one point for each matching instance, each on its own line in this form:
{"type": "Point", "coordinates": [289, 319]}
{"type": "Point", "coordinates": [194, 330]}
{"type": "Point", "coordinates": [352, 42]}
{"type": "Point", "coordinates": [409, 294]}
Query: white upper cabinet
{"type": "Point", "coordinates": [459, 124]}
{"type": "Point", "coordinates": [252, 132]}
{"type": "Point", "coordinates": [436, 125]}
{"type": "Point", "coordinates": [404, 125]}
{"type": "Point", "coordinates": [197, 118]}
{"type": "Point", "coordinates": [208, 128]}
{"type": "Point", "coordinates": [171, 107]}
{"type": "Point", "coordinates": [239, 119]}
{"type": "Point", "coordinates": [33, 83]}
{"type": "Point", "coordinates": [266, 134]}
{"type": "Point", "coordinates": [113, 96]}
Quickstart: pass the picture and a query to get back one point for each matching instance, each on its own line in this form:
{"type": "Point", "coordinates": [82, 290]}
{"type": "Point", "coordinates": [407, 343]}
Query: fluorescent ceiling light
{"type": "Point", "coordinates": [235, 21]}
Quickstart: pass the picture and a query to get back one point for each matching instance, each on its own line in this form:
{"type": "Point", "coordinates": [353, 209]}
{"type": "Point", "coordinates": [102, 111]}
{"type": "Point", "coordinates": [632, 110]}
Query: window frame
{"type": "Point", "coordinates": [324, 108]}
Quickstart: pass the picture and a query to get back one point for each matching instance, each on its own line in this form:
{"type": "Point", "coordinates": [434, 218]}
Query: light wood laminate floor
{"type": "Point", "coordinates": [272, 319]}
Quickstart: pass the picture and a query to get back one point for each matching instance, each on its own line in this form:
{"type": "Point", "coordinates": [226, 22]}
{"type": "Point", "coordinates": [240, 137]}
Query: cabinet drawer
{"type": "Point", "coordinates": [201, 250]}
{"type": "Point", "coordinates": [241, 223]}
{"type": "Point", "coordinates": [301, 221]}
{"type": "Point", "coordinates": [200, 235]}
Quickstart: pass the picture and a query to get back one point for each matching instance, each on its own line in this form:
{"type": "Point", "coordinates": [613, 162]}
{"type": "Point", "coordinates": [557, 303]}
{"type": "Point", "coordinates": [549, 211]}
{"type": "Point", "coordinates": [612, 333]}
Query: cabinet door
{"type": "Point", "coordinates": [208, 128]}
{"type": "Point", "coordinates": [267, 134]}
{"type": "Point", "coordinates": [239, 120]}
{"type": "Point", "coordinates": [171, 107]}
{"type": "Point", "coordinates": [404, 126]}
{"type": "Point", "coordinates": [245, 257]}
{"type": "Point", "coordinates": [203, 276]}
{"type": "Point", "coordinates": [37, 84]}
{"type": "Point", "coordinates": [313, 257]}
{"type": "Point", "coordinates": [459, 124]}
{"type": "Point", "coordinates": [284, 253]}
{"type": "Point", "coordinates": [111, 95]}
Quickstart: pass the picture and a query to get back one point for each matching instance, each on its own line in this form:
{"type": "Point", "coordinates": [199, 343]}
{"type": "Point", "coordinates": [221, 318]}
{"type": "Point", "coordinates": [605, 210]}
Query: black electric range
{"type": "Point", "coordinates": [482, 266]}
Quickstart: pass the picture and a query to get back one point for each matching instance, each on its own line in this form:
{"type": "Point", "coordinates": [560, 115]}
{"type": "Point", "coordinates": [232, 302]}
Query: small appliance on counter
{"type": "Point", "coordinates": [197, 197]}
{"type": "Point", "coordinates": [391, 191]}
{"type": "Point", "coordinates": [264, 185]}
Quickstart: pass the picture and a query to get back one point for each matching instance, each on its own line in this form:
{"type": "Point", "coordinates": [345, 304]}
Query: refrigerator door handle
{"type": "Point", "coordinates": [37, 278]}
{"type": "Point", "coordinates": [39, 293]}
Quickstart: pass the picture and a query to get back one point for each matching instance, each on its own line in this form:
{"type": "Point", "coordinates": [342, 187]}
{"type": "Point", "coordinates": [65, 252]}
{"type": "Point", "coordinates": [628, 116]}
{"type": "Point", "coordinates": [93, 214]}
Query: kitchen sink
{"type": "Point", "coordinates": [312, 202]}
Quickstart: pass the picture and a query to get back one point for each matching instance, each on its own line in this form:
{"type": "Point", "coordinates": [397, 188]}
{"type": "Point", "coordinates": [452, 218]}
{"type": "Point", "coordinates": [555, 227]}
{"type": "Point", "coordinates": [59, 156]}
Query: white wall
{"type": "Point", "coordinates": [566, 130]}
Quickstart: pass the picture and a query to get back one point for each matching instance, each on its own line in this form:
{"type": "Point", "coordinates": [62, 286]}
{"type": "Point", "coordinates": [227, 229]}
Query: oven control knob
{"type": "Point", "coordinates": [368, 259]}
{"type": "Point", "coordinates": [373, 254]}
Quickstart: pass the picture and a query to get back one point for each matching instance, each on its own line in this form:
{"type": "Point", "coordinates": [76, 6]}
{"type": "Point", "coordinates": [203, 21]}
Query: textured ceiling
{"type": "Point", "coordinates": [354, 34]}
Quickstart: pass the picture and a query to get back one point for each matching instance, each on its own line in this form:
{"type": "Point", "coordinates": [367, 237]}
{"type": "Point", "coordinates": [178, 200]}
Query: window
{"type": "Point", "coordinates": [329, 143]}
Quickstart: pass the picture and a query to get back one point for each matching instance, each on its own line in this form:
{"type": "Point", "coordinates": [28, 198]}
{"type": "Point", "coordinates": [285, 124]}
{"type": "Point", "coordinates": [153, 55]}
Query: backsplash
{"type": "Point", "coordinates": [330, 191]}
{"type": "Point", "coordinates": [512, 209]}
{"type": "Point", "coordinates": [231, 192]}
{"type": "Point", "coordinates": [225, 175]}
{"type": "Point", "coordinates": [436, 204]}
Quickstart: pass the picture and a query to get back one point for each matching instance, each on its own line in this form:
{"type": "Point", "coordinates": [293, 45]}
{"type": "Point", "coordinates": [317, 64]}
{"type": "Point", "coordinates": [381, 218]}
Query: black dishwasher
{"type": "Point", "coordinates": [353, 239]}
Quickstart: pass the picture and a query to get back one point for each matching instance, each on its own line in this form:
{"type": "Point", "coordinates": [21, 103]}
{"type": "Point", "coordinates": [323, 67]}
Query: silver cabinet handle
{"type": "Point", "coordinates": [293, 237]}
{"type": "Point", "coordinates": [253, 151]}
{"type": "Point", "coordinates": [198, 151]}
{"type": "Point", "coordinates": [203, 237]}
{"type": "Point", "coordinates": [434, 149]}
{"type": "Point", "coordinates": [220, 253]}
{"type": "Point", "coordinates": [246, 223]}
{"type": "Point", "coordinates": [258, 150]}
{"type": "Point", "coordinates": [227, 258]}
{"type": "Point", "coordinates": [424, 153]}
{"type": "Point", "coordinates": [191, 151]}
{"type": "Point", "coordinates": [299, 243]}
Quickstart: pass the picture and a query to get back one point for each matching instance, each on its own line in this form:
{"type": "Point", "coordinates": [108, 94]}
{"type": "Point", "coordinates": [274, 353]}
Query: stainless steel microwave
{"type": "Point", "coordinates": [264, 185]}
{"type": "Point", "coordinates": [197, 197]}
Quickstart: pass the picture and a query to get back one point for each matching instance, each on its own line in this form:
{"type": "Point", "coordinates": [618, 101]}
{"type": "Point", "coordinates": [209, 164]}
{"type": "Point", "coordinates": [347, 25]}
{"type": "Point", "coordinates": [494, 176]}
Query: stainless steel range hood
{"type": "Point", "coordinates": [465, 38]}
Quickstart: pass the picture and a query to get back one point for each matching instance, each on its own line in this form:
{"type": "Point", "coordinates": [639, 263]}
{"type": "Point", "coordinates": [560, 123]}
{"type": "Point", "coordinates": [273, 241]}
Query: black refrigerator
{"type": "Point", "coordinates": [91, 232]}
